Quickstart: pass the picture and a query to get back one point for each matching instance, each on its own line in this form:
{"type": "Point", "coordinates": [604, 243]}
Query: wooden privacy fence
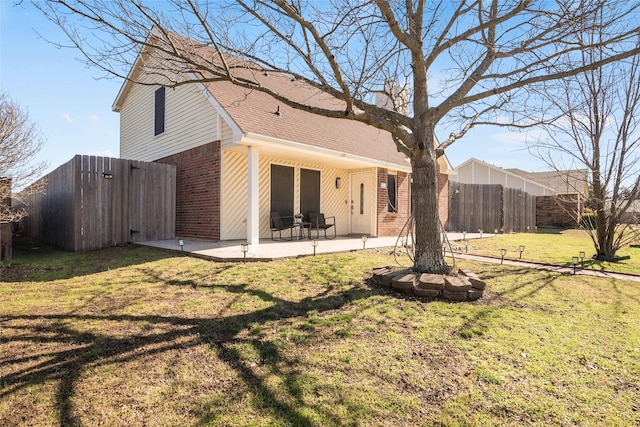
{"type": "Point", "coordinates": [490, 207]}
{"type": "Point", "coordinates": [6, 245]}
{"type": "Point", "coordinates": [94, 202]}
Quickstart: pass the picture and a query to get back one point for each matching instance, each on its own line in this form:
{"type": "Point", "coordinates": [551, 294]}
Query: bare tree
{"type": "Point", "coordinates": [600, 131]}
{"type": "Point", "coordinates": [462, 64]}
{"type": "Point", "coordinates": [20, 142]}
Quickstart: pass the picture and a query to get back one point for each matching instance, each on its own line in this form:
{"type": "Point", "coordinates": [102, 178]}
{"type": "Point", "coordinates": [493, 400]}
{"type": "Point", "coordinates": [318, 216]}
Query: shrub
{"type": "Point", "coordinates": [588, 219]}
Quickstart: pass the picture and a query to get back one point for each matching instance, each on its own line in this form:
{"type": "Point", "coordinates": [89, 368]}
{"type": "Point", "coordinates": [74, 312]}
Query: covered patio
{"type": "Point", "coordinates": [268, 250]}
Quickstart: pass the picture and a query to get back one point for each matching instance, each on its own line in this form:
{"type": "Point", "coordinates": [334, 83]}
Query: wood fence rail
{"type": "Point", "coordinates": [490, 207]}
{"type": "Point", "coordinates": [94, 202]}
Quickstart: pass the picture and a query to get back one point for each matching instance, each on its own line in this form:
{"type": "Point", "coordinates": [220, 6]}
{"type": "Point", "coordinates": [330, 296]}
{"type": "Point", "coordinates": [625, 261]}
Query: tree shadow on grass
{"type": "Point", "coordinates": [80, 350]}
{"type": "Point", "coordinates": [34, 261]}
{"type": "Point", "coordinates": [623, 299]}
{"type": "Point", "coordinates": [515, 296]}
{"type": "Point", "coordinates": [531, 287]}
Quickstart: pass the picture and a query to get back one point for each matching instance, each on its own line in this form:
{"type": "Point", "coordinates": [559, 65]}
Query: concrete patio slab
{"type": "Point", "coordinates": [269, 250]}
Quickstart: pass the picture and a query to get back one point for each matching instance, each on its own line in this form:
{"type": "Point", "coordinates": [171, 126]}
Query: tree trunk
{"type": "Point", "coordinates": [606, 238]}
{"type": "Point", "coordinates": [604, 226]}
{"type": "Point", "coordinates": [424, 196]}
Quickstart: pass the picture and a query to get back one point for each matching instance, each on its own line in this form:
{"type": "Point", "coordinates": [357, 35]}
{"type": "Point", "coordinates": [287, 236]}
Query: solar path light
{"type": "Point", "coordinates": [244, 248]}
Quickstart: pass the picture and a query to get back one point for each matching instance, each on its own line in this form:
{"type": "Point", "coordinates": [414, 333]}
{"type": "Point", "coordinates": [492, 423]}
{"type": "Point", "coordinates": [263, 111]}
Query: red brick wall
{"type": "Point", "coordinates": [390, 223]}
{"type": "Point", "coordinates": [197, 191]}
{"type": "Point", "coordinates": [558, 211]}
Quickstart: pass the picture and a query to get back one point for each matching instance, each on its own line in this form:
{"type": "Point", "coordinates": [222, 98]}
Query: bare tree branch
{"type": "Point", "coordinates": [20, 142]}
{"type": "Point", "coordinates": [600, 132]}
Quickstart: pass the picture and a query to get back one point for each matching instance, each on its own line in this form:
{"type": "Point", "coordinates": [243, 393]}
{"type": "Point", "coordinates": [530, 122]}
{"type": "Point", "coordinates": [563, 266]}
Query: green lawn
{"type": "Point", "coordinates": [136, 336]}
{"type": "Point", "coordinates": [551, 246]}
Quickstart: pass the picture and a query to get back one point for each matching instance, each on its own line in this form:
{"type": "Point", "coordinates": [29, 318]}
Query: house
{"type": "Point", "coordinates": [241, 154]}
{"type": "Point", "coordinates": [563, 182]}
{"type": "Point", "coordinates": [559, 195]}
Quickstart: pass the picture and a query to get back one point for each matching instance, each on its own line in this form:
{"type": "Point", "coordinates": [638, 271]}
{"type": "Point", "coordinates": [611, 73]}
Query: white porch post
{"type": "Point", "coordinates": [253, 211]}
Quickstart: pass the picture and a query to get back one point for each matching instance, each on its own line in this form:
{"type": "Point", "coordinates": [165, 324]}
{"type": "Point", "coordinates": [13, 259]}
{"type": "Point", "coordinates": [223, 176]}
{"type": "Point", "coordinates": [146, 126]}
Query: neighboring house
{"type": "Point", "coordinates": [562, 182]}
{"type": "Point", "coordinates": [475, 171]}
{"type": "Point", "coordinates": [241, 154]}
{"type": "Point", "coordinates": [560, 194]}
{"type": "Point", "coordinates": [571, 188]}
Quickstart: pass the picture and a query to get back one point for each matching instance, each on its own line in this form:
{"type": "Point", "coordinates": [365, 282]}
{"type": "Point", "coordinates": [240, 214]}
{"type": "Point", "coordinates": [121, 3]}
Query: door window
{"type": "Point", "coordinates": [309, 192]}
{"type": "Point", "coordinates": [282, 190]}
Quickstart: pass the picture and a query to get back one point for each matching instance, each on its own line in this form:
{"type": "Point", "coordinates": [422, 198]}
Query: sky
{"type": "Point", "coordinates": [71, 103]}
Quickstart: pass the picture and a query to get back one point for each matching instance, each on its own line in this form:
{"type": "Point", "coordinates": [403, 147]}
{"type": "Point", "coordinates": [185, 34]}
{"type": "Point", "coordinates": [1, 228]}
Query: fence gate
{"type": "Point", "coordinates": [94, 202]}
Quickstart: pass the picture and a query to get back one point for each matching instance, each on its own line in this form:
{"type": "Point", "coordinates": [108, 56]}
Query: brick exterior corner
{"type": "Point", "coordinates": [391, 223]}
{"type": "Point", "coordinates": [198, 174]}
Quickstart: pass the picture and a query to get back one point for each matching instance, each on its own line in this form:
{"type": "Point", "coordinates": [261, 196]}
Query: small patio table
{"type": "Point", "coordinates": [301, 227]}
{"type": "Point", "coordinates": [305, 226]}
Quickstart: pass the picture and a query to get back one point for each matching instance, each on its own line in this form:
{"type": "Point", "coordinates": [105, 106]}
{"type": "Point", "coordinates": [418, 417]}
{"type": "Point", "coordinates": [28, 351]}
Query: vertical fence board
{"type": "Point", "coordinates": [123, 226]}
{"type": "Point", "coordinates": [75, 175]}
{"type": "Point", "coordinates": [94, 207]}
{"type": "Point", "coordinates": [137, 181]}
{"type": "Point", "coordinates": [105, 191]}
{"type": "Point", "coordinates": [116, 205]}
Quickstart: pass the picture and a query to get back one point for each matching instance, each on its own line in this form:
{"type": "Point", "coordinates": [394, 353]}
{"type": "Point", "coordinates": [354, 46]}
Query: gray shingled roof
{"type": "Point", "coordinates": [255, 112]}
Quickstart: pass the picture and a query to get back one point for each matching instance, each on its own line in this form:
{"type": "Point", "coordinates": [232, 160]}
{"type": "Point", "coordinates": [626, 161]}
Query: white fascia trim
{"type": "Point", "coordinates": [128, 82]}
{"type": "Point", "coordinates": [251, 138]}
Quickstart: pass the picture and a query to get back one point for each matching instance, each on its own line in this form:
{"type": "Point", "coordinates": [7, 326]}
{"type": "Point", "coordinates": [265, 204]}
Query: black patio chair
{"type": "Point", "coordinates": [278, 225]}
{"type": "Point", "coordinates": [318, 222]}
